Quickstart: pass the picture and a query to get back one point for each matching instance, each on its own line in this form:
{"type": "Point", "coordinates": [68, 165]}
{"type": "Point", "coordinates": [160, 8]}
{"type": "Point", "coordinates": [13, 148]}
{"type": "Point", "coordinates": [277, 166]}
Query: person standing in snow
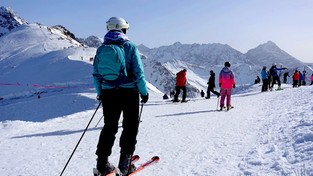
{"type": "Point", "coordinates": [211, 85]}
{"type": "Point", "coordinates": [286, 74]}
{"type": "Point", "coordinates": [226, 83]}
{"type": "Point", "coordinates": [264, 76]}
{"type": "Point", "coordinates": [202, 93]}
{"type": "Point", "coordinates": [181, 81]}
{"type": "Point", "coordinates": [274, 73]}
{"type": "Point", "coordinates": [119, 98]}
{"type": "Point", "coordinates": [295, 77]}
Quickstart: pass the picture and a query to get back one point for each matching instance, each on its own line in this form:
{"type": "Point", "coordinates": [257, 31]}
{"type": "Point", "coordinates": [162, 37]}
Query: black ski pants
{"type": "Point", "coordinates": [178, 92]}
{"type": "Point", "coordinates": [114, 102]}
{"type": "Point", "coordinates": [211, 89]}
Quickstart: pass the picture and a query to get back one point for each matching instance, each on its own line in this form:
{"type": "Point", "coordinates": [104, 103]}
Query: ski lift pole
{"type": "Point", "coordinates": [80, 140]}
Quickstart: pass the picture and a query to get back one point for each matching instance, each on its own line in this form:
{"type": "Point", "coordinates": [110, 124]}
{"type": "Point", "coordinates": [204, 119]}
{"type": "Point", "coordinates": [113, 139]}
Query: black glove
{"type": "Point", "coordinates": [99, 97]}
{"type": "Point", "coordinates": [234, 85]}
{"type": "Point", "coordinates": [144, 98]}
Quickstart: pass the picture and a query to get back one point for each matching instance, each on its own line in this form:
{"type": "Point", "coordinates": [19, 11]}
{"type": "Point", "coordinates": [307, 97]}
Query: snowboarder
{"type": "Point", "coordinates": [264, 76]}
{"type": "Point", "coordinates": [211, 85]}
{"type": "Point", "coordinates": [181, 81]}
{"type": "Point", "coordinates": [118, 97]}
{"type": "Point", "coordinates": [226, 83]}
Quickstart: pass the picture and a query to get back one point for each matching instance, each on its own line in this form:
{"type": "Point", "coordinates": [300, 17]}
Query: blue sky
{"type": "Point", "coordinates": [242, 24]}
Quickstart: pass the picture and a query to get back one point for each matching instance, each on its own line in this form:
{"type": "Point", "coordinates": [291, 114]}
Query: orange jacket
{"type": "Point", "coordinates": [181, 78]}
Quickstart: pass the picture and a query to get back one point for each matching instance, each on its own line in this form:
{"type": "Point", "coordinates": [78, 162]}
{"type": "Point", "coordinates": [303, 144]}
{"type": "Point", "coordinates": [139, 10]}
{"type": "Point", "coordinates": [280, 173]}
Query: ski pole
{"type": "Point", "coordinates": [99, 122]}
{"type": "Point", "coordinates": [139, 117]}
{"type": "Point", "coordinates": [80, 140]}
{"type": "Point", "coordinates": [218, 100]}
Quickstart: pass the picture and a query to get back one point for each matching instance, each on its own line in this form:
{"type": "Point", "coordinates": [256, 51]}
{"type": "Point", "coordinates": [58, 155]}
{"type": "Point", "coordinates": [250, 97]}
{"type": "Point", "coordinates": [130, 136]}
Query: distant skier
{"type": "Point", "coordinates": [211, 85]}
{"type": "Point", "coordinates": [264, 76]}
{"type": "Point", "coordinates": [118, 95]}
{"type": "Point", "coordinates": [286, 75]}
{"type": "Point", "coordinates": [257, 80]}
{"type": "Point", "coordinates": [311, 79]}
{"type": "Point", "coordinates": [181, 81]}
{"type": "Point", "coordinates": [274, 73]}
{"type": "Point", "coordinates": [295, 78]}
{"type": "Point", "coordinates": [202, 93]}
{"type": "Point", "coordinates": [165, 97]}
{"type": "Point", "coordinates": [226, 83]}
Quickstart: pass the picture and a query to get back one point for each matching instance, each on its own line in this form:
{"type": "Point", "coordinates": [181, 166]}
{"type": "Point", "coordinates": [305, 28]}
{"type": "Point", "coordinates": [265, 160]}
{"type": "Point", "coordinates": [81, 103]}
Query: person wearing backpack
{"type": "Point", "coordinates": [181, 81]}
{"type": "Point", "coordinates": [226, 83]}
{"type": "Point", "coordinates": [119, 80]}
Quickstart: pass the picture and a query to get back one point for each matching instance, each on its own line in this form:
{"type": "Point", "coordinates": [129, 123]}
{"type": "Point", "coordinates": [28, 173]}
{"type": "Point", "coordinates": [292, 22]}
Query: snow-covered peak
{"type": "Point", "coordinates": [9, 20]}
{"type": "Point", "coordinates": [91, 41]}
{"type": "Point", "coordinates": [268, 53]}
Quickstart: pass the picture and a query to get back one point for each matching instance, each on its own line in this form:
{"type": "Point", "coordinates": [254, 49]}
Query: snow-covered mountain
{"type": "Point", "coordinates": [91, 41]}
{"type": "Point", "coordinates": [200, 59]}
{"type": "Point", "coordinates": [47, 98]}
{"type": "Point", "coordinates": [9, 20]}
{"type": "Point", "coordinates": [29, 42]}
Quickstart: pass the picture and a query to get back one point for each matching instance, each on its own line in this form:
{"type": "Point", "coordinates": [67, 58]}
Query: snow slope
{"type": "Point", "coordinates": [267, 133]}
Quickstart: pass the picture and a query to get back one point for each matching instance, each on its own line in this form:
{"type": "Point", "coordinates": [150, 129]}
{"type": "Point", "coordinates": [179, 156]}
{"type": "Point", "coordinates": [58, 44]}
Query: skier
{"type": "Point", "coordinates": [226, 83]}
{"type": "Point", "coordinates": [257, 80]}
{"type": "Point", "coordinates": [264, 76]}
{"type": "Point", "coordinates": [120, 97]}
{"type": "Point", "coordinates": [274, 73]}
{"type": "Point", "coordinates": [295, 77]}
{"type": "Point", "coordinates": [286, 74]}
{"type": "Point", "coordinates": [211, 85]}
{"type": "Point", "coordinates": [304, 78]}
{"type": "Point", "coordinates": [311, 79]}
{"type": "Point", "coordinates": [181, 81]}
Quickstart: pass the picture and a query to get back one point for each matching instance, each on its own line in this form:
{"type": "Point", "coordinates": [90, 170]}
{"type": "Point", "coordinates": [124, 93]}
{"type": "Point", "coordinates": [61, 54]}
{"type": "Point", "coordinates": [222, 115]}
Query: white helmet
{"type": "Point", "coordinates": [117, 23]}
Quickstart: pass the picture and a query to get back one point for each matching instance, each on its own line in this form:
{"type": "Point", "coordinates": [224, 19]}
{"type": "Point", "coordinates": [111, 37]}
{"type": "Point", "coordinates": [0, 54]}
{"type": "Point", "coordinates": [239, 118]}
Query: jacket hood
{"type": "Point", "coordinates": [226, 69]}
{"type": "Point", "coordinates": [115, 36]}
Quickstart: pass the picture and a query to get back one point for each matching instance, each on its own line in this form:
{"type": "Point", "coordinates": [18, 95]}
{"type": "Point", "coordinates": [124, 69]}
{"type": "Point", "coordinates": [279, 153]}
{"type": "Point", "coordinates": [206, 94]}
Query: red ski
{"type": "Point", "coordinates": [150, 162]}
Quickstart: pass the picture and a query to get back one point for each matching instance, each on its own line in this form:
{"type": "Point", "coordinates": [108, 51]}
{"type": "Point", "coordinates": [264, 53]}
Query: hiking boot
{"type": "Point", "coordinates": [104, 167]}
{"type": "Point", "coordinates": [124, 163]}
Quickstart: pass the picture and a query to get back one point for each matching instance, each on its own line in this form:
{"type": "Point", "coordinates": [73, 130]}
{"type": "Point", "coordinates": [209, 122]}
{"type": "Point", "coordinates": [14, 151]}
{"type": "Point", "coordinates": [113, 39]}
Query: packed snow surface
{"type": "Point", "coordinates": [267, 133]}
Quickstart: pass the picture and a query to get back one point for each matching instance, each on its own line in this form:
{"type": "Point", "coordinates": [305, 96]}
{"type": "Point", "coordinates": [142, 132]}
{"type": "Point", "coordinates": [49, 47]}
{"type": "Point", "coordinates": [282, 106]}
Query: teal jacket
{"type": "Point", "coordinates": [134, 67]}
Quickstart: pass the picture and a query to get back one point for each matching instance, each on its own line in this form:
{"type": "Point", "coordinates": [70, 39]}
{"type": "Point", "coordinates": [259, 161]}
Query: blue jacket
{"type": "Point", "coordinates": [264, 74]}
{"type": "Point", "coordinates": [134, 67]}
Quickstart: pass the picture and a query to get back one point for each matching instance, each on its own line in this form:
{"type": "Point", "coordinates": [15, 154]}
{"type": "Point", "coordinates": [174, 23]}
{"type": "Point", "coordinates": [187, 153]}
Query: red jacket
{"type": "Point", "coordinates": [181, 78]}
{"type": "Point", "coordinates": [296, 76]}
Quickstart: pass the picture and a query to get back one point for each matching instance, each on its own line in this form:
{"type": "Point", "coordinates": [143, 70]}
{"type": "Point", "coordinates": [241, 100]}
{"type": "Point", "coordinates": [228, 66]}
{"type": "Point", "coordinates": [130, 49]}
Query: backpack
{"type": "Point", "coordinates": [111, 64]}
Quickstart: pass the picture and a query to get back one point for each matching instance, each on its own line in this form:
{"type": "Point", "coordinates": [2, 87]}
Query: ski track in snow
{"type": "Point", "coordinates": [265, 134]}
